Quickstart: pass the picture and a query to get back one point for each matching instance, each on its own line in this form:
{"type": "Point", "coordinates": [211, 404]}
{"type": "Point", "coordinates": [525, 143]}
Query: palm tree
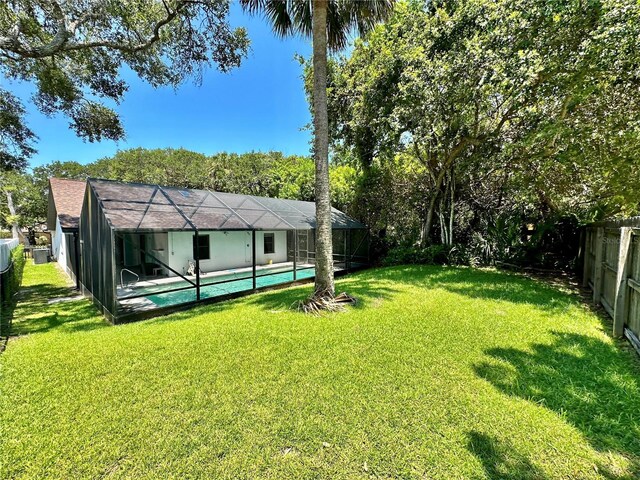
{"type": "Point", "coordinates": [328, 23]}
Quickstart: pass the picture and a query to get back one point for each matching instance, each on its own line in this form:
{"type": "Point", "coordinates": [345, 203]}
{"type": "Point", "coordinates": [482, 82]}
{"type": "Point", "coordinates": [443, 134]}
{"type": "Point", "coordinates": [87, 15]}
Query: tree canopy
{"type": "Point", "coordinates": [255, 173]}
{"type": "Point", "coordinates": [522, 105]}
{"type": "Point", "coordinates": [74, 53]}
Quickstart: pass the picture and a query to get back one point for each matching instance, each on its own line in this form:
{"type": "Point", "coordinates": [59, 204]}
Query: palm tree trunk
{"type": "Point", "coordinates": [324, 248]}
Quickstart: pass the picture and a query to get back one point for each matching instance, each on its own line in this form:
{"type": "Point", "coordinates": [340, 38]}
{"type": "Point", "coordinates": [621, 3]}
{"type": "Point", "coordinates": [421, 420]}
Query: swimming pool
{"type": "Point", "coordinates": [210, 288]}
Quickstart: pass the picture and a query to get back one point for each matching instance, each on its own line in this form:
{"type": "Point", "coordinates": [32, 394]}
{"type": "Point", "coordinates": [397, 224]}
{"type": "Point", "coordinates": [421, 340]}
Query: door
{"type": "Point", "coordinates": [247, 247]}
{"type": "Point", "coordinates": [131, 248]}
{"type": "Point", "coordinates": [303, 246]}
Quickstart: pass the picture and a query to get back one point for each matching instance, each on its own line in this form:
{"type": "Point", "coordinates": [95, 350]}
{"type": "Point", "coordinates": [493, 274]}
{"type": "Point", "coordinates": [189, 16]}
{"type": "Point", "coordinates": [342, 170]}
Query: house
{"type": "Point", "coordinates": [148, 249]}
{"type": "Point", "coordinates": [65, 205]}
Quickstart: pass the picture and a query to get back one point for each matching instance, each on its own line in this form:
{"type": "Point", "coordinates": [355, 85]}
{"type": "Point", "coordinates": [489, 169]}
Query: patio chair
{"type": "Point", "coordinates": [191, 270]}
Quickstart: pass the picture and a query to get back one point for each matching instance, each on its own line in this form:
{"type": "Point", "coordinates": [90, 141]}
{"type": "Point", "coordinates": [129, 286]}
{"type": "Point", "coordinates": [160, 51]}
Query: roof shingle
{"type": "Point", "coordinates": [68, 196]}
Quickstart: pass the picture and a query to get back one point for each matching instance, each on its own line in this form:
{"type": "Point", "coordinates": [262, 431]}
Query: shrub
{"type": "Point", "coordinates": [461, 254]}
{"type": "Point", "coordinates": [11, 280]}
{"type": "Point", "coordinates": [432, 255]}
{"type": "Point", "coordinates": [17, 257]}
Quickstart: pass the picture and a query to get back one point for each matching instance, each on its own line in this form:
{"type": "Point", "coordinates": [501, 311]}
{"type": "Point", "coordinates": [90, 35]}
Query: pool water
{"type": "Point", "coordinates": [243, 283]}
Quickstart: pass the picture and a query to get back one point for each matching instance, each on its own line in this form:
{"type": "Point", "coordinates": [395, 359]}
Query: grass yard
{"type": "Point", "coordinates": [437, 373]}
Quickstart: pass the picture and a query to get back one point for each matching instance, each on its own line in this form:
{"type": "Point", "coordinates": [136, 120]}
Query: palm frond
{"type": "Point", "coordinates": [289, 17]}
{"type": "Point", "coordinates": [275, 11]}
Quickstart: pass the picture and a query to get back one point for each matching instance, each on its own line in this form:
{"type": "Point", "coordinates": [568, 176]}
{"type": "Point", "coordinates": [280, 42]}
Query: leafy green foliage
{"type": "Point", "coordinates": [294, 17]}
{"type": "Point", "coordinates": [436, 373]}
{"type": "Point", "coordinates": [28, 200]}
{"type": "Point", "coordinates": [463, 114]}
{"type": "Point", "coordinates": [431, 255]}
{"type": "Point", "coordinates": [73, 53]}
{"type": "Point", "coordinates": [256, 173]}
{"type": "Point", "coordinates": [15, 137]}
{"type": "Point", "coordinates": [11, 283]}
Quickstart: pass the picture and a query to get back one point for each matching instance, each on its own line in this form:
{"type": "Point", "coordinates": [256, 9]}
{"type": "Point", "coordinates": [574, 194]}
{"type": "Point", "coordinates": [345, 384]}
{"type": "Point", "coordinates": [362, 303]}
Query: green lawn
{"type": "Point", "coordinates": [437, 373]}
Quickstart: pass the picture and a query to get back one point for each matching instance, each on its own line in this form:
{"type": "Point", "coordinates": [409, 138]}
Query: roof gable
{"type": "Point", "coordinates": [65, 202]}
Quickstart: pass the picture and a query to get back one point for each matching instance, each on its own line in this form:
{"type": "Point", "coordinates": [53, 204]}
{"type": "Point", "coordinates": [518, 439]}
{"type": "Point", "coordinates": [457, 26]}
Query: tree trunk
{"type": "Point", "coordinates": [453, 204]}
{"type": "Point", "coordinates": [443, 224]}
{"type": "Point", "coordinates": [426, 227]}
{"type": "Point", "coordinates": [324, 248]}
{"type": "Point", "coordinates": [15, 228]}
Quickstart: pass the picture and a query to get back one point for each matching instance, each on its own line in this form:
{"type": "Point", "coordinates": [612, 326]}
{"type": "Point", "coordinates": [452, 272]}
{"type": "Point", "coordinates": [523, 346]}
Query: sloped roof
{"type": "Point", "coordinates": [65, 200]}
{"type": "Point", "coordinates": [135, 206]}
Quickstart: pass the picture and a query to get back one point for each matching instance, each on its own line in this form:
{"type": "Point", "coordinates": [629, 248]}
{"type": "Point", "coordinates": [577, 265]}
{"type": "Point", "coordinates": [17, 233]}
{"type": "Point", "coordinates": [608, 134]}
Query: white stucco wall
{"type": "Point", "coordinates": [59, 247]}
{"type": "Point", "coordinates": [56, 237]}
{"type": "Point", "coordinates": [227, 250]}
{"type": "Point", "coordinates": [60, 242]}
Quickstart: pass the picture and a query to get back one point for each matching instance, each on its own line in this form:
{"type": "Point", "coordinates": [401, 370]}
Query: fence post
{"type": "Point", "coordinates": [597, 271]}
{"type": "Point", "coordinates": [620, 308]}
{"type": "Point", "coordinates": [586, 268]}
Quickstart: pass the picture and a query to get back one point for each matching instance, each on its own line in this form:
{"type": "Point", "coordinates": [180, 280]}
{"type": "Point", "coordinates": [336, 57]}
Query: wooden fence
{"type": "Point", "coordinates": [612, 270]}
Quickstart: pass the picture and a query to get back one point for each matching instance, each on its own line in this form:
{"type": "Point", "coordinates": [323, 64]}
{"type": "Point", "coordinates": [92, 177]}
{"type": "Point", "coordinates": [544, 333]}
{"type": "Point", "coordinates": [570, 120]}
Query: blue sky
{"type": "Point", "coordinates": [259, 106]}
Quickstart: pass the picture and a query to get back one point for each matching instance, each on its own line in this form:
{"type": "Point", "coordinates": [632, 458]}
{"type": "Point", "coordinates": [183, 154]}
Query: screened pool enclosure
{"type": "Point", "coordinates": [145, 249]}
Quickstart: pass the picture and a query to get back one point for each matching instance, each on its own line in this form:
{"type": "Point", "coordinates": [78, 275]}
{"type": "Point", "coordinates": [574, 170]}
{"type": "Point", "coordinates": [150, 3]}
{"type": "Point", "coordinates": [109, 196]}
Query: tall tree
{"type": "Point", "coordinates": [73, 53]}
{"type": "Point", "coordinates": [16, 139]}
{"type": "Point", "coordinates": [448, 82]}
{"type": "Point", "coordinates": [328, 23]}
{"type": "Point", "coordinates": [23, 203]}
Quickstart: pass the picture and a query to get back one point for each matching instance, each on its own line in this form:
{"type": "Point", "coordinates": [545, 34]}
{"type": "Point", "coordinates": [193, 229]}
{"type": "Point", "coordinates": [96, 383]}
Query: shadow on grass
{"type": "Point", "coordinates": [502, 286]}
{"type": "Point", "coordinates": [33, 313]}
{"type": "Point", "coordinates": [593, 384]}
{"type": "Point", "coordinates": [367, 293]}
{"type": "Point", "coordinates": [500, 460]}
{"type": "Point", "coordinates": [374, 286]}
{"type": "Point", "coordinates": [365, 286]}
{"type": "Point", "coordinates": [70, 317]}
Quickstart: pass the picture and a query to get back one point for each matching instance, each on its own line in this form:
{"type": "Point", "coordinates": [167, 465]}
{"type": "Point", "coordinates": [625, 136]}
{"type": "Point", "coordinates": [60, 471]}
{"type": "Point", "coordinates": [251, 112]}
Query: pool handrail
{"type": "Point", "coordinates": [129, 283]}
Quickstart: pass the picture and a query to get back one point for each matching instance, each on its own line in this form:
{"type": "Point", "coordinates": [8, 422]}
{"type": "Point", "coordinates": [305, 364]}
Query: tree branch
{"type": "Point", "coordinates": [65, 32]}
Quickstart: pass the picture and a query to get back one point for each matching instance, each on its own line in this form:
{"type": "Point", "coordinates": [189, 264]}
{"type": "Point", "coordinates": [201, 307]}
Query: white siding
{"type": "Point", "coordinates": [228, 250]}
{"type": "Point", "coordinates": [56, 237]}
{"type": "Point", "coordinates": [280, 254]}
{"type": "Point", "coordinates": [59, 247]}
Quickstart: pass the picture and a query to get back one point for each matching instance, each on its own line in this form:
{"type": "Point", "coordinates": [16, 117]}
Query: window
{"type": "Point", "coordinates": [201, 248]}
{"type": "Point", "coordinates": [269, 243]}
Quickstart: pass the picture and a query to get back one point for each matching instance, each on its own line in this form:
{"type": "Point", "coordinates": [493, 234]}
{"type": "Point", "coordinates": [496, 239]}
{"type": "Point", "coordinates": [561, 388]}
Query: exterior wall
{"type": "Point", "coordinates": [227, 250]}
{"type": "Point", "coordinates": [57, 243]}
{"type": "Point", "coordinates": [62, 249]}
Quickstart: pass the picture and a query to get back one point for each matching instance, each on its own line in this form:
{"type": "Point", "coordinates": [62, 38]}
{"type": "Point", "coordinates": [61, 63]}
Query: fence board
{"type": "Point", "coordinates": [612, 269]}
{"type": "Point", "coordinates": [633, 314]}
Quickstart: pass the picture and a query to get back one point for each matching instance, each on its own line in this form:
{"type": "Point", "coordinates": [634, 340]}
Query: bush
{"type": "Point", "coordinates": [42, 240]}
{"type": "Point", "coordinates": [17, 257]}
{"type": "Point", "coordinates": [461, 254]}
{"type": "Point", "coordinates": [5, 234]}
{"type": "Point", "coordinates": [11, 281]}
{"type": "Point", "coordinates": [431, 255]}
